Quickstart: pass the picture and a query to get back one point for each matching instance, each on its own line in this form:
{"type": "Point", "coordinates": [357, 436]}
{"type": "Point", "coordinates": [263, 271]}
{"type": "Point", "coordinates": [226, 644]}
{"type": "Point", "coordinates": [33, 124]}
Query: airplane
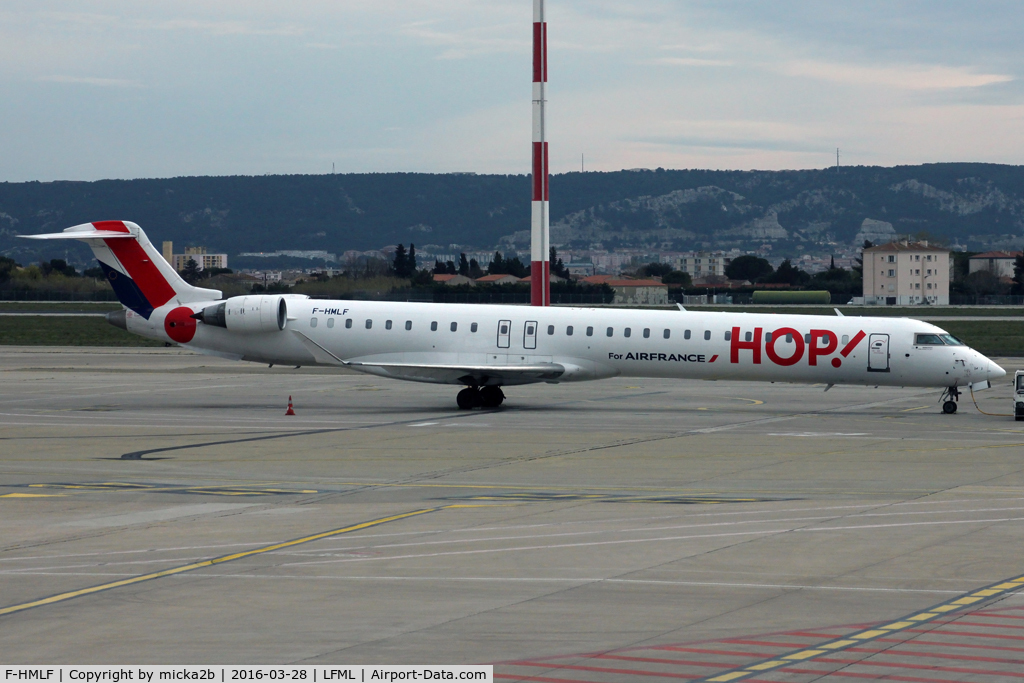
{"type": "Point", "coordinates": [486, 347]}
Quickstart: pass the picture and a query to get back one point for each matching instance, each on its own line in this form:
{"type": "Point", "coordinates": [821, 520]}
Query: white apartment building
{"type": "Point", "coordinates": [999, 263]}
{"type": "Point", "coordinates": [197, 254]}
{"type": "Point", "coordinates": [702, 264]}
{"type": "Point", "coordinates": [902, 273]}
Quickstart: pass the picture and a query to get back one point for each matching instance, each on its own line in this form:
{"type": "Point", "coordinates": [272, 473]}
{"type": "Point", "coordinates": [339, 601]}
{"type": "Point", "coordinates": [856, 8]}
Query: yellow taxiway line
{"type": "Point", "coordinates": [70, 595]}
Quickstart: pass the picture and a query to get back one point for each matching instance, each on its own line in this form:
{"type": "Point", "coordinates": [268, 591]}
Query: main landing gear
{"type": "Point", "coordinates": [951, 396]}
{"type": "Point", "coordinates": [483, 397]}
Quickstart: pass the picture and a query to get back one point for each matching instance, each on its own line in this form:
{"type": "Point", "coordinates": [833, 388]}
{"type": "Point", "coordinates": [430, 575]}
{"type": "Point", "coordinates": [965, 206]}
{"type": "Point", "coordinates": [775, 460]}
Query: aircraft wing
{"type": "Point", "coordinates": [442, 373]}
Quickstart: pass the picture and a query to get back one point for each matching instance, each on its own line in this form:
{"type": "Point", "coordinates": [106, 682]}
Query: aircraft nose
{"type": "Point", "coordinates": [994, 371]}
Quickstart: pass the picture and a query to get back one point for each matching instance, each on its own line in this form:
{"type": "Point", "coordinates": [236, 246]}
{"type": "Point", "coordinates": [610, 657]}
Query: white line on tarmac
{"type": "Point", "coordinates": [653, 529]}
{"type": "Point", "coordinates": [695, 537]}
{"type": "Point", "coordinates": [506, 580]}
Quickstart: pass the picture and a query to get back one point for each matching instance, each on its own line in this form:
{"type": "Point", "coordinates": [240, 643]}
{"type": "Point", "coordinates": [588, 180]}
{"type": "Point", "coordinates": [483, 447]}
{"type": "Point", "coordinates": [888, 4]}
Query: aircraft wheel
{"type": "Point", "coordinates": [491, 397]}
{"type": "Point", "coordinates": [468, 398]}
{"type": "Point", "coordinates": [949, 407]}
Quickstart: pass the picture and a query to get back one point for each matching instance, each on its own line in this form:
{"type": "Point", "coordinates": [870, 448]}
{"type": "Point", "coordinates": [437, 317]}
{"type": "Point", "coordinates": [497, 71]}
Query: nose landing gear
{"type": "Point", "coordinates": [485, 397]}
{"type": "Point", "coordinates": [951, 396]}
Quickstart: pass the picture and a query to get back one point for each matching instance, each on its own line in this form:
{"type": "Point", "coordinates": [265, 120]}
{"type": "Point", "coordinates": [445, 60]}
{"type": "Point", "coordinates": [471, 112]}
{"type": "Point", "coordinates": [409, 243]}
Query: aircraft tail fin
{"type": "Point", "coordinates": [142, 279]}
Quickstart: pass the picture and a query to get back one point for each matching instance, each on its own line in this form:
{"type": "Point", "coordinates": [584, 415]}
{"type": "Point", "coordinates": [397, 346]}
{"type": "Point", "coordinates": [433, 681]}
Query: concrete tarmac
{"type": "Point", "coordinates": [607, 531]}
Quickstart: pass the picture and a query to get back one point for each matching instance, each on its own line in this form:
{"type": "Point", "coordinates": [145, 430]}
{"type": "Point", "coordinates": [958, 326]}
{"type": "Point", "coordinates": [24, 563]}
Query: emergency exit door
{"type": "Point", "coordinates": [878, 353]}
{"type": "Point", "coordinates": [530, 334]}
{"type": "Point", "coordinates": [504, 333]}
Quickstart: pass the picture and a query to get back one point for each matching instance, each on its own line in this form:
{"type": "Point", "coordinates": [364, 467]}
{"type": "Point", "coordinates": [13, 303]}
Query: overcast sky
{"type": "Point", "coordinates": [115, 89]}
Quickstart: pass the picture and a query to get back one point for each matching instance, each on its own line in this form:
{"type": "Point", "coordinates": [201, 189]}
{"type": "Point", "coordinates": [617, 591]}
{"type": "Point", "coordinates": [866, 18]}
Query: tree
{"type": "Point", "coordinates": [59, 266]}
{"type": "Point", "coordinates": [748, 267]}
{"type": "Point", "coordinates": [475, 270]}
{"type": "Point", "coordinates": [677, 277]}
{"type": "Point", "coordinates": [788, 274]}
{"type": "Point", "coordinates": [191, 273]}
{"type": "Point", "coordinates": [96, 272]}
{"type": "Point", "coordinates": [497, 265]}
{"type": "Point", "coordinates": [507, 266]}
{"type": "Point", "coordinates": [449, 268]}
{"type": "Point", "coordinates": [439, 268]}
{"type": "Point", "coordinates": [423, 278]}
{"type": "Point", "coordinates": [654, 270]}
{"type": "Point", "coordinates": [1018, 274]}
{"type": "Point", "coordinates": [410, 260]}
{"type": "Point", "coordinates": [859, 261]}
{"type": "Point", "coordinates": [557, 267]}
{"type": "Point", "coordinates": [401, 264]}
{"type": "Point", "coordinates": [7, 266]}
{"type": "Point", "coordinates": [463, 265]}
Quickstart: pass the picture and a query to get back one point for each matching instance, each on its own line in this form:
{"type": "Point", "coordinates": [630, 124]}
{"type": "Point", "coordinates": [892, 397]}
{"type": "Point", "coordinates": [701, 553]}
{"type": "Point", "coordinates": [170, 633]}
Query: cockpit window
{"type": "Point", "coordinates": [951, 340]}
{"type": "Point", "coordinates": [928, 340]}
{"type": "Point", "coordinates": [1020, 382]}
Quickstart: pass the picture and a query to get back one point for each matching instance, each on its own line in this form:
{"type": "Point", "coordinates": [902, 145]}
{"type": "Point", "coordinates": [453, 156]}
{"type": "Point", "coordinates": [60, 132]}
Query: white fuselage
{"type": "Point", "coordinates": [596, 343]}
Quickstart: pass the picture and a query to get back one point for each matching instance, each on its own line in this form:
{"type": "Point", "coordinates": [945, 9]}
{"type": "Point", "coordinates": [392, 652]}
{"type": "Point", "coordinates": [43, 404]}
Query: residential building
{"type": "Point", "coordinates": [701, 264]}
{"type": "Point", "coordinates": [901, 273]}
{"type": "Point", "coordinates": [497, 279]}
{"type": "Point", "coordinates": [198, 254]}
{"type": "Point", "coordinates": [639, 292]}
{"type": "Point", "coordinates": [448, 279]}
{"type": "Point", "coordinates": [580, 268]}
{"type": "Point", "coordinates": [999, 263]}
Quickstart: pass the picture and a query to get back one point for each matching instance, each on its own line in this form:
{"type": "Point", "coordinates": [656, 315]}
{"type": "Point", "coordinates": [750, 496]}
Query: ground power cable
{"type": "Point", "coordinates": [982, 411]}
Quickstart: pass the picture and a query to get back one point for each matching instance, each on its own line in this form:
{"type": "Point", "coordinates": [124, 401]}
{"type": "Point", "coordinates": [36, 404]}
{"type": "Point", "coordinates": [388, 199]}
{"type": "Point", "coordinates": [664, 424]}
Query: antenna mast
{"type": "Point", "coordinates": [540, 250]}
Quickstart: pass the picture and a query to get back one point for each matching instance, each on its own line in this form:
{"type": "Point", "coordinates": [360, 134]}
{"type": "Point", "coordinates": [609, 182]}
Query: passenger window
{"type": "Point", "coordinates": [473, 327]}
{"type": "Point", "coordinates": [626, 332]}
{"type": "Point", "coordinates": [728, 335]}
{"type": "Point", "coordinates": [707, 335]}
{"type": "Point", "coordinates": [749, 336]}
{"type": "Point", "coordinates": [433, 328]}
{"type": "Point", "coordinates": [647, 332]}
{"type": "Point", "coordinates": [312, 322]}
{"type": "Point", "coordinates": [928, 340]}
{"type": "Point", "coordinates": [504, 328]}
{"type": "Point", "coordinates": [609, 331]}
{"type": "Point", "coordinates": [551, 330]}
{"type": "Point", "coordinates": [408, 324]}
{"type": "Point", "coordinates": [348, 323]}
{"type": "Point", "coordinates": [846, 339]}
{"type": "Point", "coordinates": [667, 334]}
{"type": "Point", "coordinates": [455, 326]}
{"type": "Point", "coordinates": [789, 339]}
{"type": "Point", "coordinates": [529, 330]}
{"type": "Point", "coordinates": [825, 339]}
{"type": "Point", "coordinates": [807, 339]}
{"type": "Point", "coordinates": [387, 324]}
{"type": "Point", "coordinates": [568, 331]}
{"type": "Point", "coordinates": [369, 323]}
{"type": "Point", "coordinates": [330, 322]}
{"type": "Point", "coordinates": [767, 337]}
{"type": "Point", "coordinates": [590, 331]}
{"type": "Point", "coordinates": [686, 334]}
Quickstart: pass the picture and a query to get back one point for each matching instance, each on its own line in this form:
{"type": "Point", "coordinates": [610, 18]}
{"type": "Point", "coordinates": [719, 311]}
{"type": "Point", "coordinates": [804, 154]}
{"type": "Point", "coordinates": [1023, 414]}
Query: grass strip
{"type": "Point", "coordinates": [66, 331]}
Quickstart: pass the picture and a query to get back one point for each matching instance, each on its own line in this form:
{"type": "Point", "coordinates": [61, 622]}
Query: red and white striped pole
{"type": "Point", "coordinates": [540, 240]}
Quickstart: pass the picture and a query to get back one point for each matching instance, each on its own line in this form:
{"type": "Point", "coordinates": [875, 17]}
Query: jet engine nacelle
{"type": "Point", "coordinates": [247, 314]}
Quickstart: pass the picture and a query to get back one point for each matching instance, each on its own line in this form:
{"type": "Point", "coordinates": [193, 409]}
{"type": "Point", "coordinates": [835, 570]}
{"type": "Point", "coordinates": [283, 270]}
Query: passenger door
{"type": "Point", "coordinates": [504, 333]}
{"type": "Point", "coordinates": [878, 353]}
{"type": "Point", "coordinates": [530, 334]}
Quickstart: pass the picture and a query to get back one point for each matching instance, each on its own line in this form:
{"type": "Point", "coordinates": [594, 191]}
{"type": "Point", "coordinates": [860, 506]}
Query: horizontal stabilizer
{"type": "Point", "coordinates": [82, 235]}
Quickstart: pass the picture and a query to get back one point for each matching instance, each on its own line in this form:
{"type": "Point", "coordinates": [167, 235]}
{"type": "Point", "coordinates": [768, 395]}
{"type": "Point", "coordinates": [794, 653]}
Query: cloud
{"type": "Point", "coordinates": [89, 80]}
{"type": "Point", "coordinates": [688, 61]}
{"type": "Point", "coordinates": [907, 77]}
{"type": "Point", "coordinates": [461, 44]}
{"type": "Point", "coordinates": [216, 28]}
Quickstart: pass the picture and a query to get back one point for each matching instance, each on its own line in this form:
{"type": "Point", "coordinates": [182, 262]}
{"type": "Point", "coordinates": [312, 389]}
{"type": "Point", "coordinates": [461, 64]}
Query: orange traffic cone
{"type": "Point", "coordinates": [290, 411]}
